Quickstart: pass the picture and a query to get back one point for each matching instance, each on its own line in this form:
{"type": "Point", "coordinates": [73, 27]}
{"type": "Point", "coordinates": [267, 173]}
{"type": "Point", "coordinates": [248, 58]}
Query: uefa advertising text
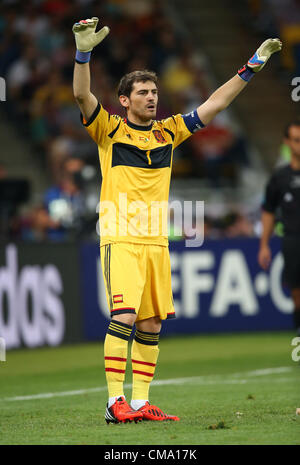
{"type": "Point", "coordinates": [2, 90]}
{"type": "Point", "coordinates": [140, 219]}
{"type": "Point", "coordinates": [296, 351]}
{"type": "Point", "coordinates": [2, 350]}
{"type": "Point", "coordinates": [227, 280]}
{"type": "Point", "coordinates": [296, 91]}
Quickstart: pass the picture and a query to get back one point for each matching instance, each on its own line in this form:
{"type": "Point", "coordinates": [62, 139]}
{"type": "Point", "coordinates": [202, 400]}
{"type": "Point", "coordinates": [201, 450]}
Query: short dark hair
{"type": "Point", "coordinates": [127, 81]}
{"type": "Point", "coordinates": [295, 122]}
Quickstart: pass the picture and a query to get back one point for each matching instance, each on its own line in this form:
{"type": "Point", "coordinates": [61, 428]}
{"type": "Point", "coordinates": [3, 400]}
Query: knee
{"type": "Point", "coordinates": [127, 318]}
{"type": "Point", "coordinates": [151, 325]}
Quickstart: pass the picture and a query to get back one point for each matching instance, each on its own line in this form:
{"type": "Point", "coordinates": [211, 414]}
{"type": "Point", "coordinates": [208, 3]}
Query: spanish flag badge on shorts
{"type": "Point", "coordinates": [118, 298]}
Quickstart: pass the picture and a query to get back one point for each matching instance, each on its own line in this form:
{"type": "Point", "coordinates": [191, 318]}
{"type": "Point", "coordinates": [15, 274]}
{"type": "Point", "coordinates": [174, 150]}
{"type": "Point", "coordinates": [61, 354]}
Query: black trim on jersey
{"type": "Point", "coordinates": [137, 126]}
{"type": "Point", "coordinates": [111, 135]}
{"type": "Point", "coordinates": [107, 272]}
{"type": "Point", "coordinates": [130, 155]}
{"type": "Point", "coordinates": [109, 254]}
{"type": "Point", "coordinates": [170, 132]}
{"type": "Point", "coordinates": [93, 117]}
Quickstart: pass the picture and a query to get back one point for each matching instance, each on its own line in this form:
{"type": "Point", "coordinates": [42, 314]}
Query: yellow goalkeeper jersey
{"type": "Point", "coordinates": [136, 163]}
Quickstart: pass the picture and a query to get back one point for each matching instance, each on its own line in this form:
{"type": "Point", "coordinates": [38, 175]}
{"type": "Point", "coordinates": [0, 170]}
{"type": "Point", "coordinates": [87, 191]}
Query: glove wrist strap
{"type": "Point", "coordinates": [246, 73]}
{"type": "Point", "coordinates": [82, 57]}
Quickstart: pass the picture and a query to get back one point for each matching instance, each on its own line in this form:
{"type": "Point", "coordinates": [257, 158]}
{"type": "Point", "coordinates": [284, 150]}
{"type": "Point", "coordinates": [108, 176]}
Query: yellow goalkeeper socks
{"type": "Point", "coordinates": [144, 354]}
{"type": "Point", "coordinates": [115, 356]}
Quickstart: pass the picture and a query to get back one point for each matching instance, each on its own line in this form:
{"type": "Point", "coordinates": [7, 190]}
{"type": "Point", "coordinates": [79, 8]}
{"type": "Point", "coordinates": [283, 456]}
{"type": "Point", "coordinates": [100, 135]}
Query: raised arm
{"type": "Point", "coordinates": [225, 94]}
{"type": "Point", "coordinates": [86, 39]}
{"type": "Point", "coordinates": [86, 101]}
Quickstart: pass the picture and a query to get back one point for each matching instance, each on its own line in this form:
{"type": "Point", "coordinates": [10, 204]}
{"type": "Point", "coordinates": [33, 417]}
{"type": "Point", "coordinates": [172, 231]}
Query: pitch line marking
{"type": "Point", "coordinates": [204, 380]}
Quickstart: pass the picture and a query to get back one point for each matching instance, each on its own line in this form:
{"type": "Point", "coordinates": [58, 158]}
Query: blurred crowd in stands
{"type": "Point", "coordinates": [279, 18]}
{"type": "Point", "coordinates": [37, 57]}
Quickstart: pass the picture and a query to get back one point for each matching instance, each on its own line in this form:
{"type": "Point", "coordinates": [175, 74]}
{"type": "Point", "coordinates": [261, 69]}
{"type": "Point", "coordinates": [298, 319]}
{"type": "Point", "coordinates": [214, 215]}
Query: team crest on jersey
{"type": "Point", "coordinates": [159, 137]}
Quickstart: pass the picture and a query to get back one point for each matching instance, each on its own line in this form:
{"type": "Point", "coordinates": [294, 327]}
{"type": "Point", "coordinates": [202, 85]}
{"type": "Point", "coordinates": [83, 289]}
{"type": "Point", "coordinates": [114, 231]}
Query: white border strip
{"type": "Point", "coordinates": [234, 378]}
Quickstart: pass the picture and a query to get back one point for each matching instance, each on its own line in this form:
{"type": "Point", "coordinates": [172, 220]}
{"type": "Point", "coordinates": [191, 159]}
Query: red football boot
{"type": "Point", "coordinates": [150, 412]}
{"type": "Point", "coordinates": [121, 412]}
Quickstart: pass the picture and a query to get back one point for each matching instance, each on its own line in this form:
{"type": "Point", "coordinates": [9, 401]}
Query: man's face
{"type": "Point", "coordinates": [293, 141]}
{"type": "Point", "coordinates": [142, 102]}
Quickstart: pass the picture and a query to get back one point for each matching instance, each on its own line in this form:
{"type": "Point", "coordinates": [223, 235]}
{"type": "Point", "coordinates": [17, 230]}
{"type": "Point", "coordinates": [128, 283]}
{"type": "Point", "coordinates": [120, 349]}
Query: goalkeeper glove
{"type": "Point", "coordinates": [260, 58]}
{"type": "Point", "coordinates": [86, 38]}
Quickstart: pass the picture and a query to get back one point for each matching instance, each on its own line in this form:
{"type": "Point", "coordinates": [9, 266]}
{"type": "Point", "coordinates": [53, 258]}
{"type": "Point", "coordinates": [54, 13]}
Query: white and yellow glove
{"type": "Point", "coordinates": [260, 58]}
{"type": "Point", "coordinates": [86, 38]}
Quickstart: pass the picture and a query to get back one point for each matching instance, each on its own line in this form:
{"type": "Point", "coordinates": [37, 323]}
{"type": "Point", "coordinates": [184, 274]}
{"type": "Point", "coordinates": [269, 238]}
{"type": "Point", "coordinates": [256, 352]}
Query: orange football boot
{"type": "Point", "coordinates": [150, 412]}
{"type": "Point", "coordinates": [121, 412]}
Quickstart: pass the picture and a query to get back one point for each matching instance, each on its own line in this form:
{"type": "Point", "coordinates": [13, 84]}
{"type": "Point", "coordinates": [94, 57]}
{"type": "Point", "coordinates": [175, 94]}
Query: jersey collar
{"type": "Point", "coordinates": [137, 126]}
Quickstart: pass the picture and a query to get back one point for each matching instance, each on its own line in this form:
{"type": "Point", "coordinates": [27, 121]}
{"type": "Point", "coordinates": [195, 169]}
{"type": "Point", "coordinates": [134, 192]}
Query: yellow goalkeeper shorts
{"type": "Point", "coordinates": [138, 280]}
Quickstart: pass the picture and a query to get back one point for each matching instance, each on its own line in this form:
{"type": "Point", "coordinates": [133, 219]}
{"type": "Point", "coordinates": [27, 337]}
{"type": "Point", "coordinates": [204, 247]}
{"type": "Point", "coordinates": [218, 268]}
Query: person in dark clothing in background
{"type": "Point", "coordinates": [283, 193]}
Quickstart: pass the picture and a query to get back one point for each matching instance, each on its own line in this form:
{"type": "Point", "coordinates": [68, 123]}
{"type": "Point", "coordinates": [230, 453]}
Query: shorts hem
{"type": "Point", "coordinates": [128, 240]}
{"type": "Point", "coordinates": [120, 311]}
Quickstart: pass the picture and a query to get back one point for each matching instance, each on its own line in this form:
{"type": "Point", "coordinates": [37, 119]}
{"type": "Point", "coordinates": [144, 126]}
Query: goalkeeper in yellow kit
{"type": "Point", "coordinates": [136, 154]}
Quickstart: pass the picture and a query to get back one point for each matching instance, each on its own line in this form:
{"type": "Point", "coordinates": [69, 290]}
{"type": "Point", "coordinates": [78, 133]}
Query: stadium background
{"type": "Point", "coordinates": [228, 355]}
{"type": "Point", "coordinates": [51, 288]}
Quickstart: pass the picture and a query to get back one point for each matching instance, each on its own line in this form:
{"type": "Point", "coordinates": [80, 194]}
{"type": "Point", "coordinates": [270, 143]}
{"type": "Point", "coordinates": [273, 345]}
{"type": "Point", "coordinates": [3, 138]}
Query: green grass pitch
{"type": "Point", "coordinates": [227, 389]}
